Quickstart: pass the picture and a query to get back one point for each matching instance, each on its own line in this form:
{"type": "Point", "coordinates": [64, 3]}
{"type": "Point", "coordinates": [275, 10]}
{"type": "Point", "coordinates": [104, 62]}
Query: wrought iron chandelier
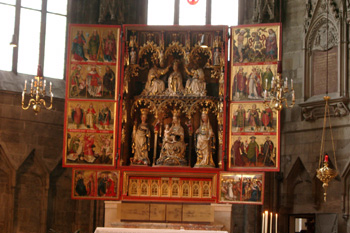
{"type": "Point", "coordinates": [37, 93]}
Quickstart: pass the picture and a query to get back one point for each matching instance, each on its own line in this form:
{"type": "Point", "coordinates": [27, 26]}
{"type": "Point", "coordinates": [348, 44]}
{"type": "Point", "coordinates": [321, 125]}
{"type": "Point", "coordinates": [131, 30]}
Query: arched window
{"type": "Point", "coordinates": [205, 12]}
{"type": "Point", "coordinates": [39, 28]}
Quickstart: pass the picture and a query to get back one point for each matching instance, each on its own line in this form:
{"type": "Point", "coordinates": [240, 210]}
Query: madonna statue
{"type": "Point", "coordinates": [204, 142]}
{"type": "Point", "coordinates": [141, 141]}
{"type": "Point", "coordinates": [174, 146]}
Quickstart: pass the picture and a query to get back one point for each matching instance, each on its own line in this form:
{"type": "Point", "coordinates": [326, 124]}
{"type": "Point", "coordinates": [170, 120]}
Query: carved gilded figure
{"type": "Point", "coordinates": [174, 146]}
{"type": "Point", "coordinates": [141, 141]}
{"type": "Point", "coordinates": [154, 85]}
{"type": "Point", "coordinates": [196, 85]}
{"type": "Point", "coordinates": [205, 142]}
{"type": "Point", "coordinates": [175, 86]}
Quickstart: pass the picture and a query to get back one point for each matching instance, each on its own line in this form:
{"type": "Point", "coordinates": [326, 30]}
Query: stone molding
{"type": "Point", "coordinates": [311, 111]}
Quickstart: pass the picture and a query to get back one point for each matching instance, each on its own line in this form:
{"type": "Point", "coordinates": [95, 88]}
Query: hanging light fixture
{"type": "Point", "coordinates": [192, 2]}
{"type": "Point", "coordinates": [277, 96]}
{"type": "Point", "coordinates": [13, 42]}
{"type": "Point", "coordinates": [324, 173]}
{"type": "Point", "coordinates": [37, 93]}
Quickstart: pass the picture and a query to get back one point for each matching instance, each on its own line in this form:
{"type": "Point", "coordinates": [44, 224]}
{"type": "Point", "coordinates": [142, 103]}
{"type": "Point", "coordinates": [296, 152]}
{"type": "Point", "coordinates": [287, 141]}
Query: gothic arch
{"type": "Point", "coordinates": [298, 176]}
{"type": "Point", "coordinates": [60, 217]}
{"type": "Point", "coordinates": [346, 191]}
{"type": "Point", "coordinates": [7, 184]}
{"type": "Point", "coordinates": [31, 195]}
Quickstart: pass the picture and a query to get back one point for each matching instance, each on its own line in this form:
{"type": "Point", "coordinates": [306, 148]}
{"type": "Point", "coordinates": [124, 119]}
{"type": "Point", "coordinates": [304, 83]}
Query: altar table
{"type": "Point", "coordinates": [138, 230]}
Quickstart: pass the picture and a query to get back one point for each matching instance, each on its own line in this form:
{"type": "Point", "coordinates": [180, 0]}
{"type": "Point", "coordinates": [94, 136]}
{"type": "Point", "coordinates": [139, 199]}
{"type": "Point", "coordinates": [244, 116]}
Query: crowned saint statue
{"type": "Point", "coordinates": [204, 142]}
{"type": "Point", "coordinates": [174, 146]}
{"type": "Point", "coordinates": [141, 141]}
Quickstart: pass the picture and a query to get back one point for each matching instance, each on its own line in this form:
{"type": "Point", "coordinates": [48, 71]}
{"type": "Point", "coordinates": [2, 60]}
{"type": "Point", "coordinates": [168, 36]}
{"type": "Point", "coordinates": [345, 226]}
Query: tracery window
{"type": "Point", "coordinates": [39, 27]}
{"type": "Point", "coordinates": [205, 12]}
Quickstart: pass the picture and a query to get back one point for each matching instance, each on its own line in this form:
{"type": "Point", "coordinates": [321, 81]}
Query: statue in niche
{"type": "Point", "coordinates": [141, 141]}
{"type": "Point", "coordinates": [175, 81]}
{"type": "Point", "coordinates": [204, 142]}
{"type": "Point", "coordinates": [196, 85]}
{"type": "Point", "coordinates": [217, 57]}
{"type": "Point", "coordinates": [174, 146]}
{"type": "Point", "coordinates": [112, 8]}
{"type": "Point", "coordinates": [154, 85]}
{"type": "Point", "coordinates": [133, 56]}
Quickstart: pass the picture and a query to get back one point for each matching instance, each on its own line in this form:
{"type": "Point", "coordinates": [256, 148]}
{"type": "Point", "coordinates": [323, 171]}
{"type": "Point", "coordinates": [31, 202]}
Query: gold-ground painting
{"type": "Point", "coordinates": [95, 184]}
{"type": "Point", "coordinates": [254, 137]}
{"type": "Point", "coordinates": [256, 43]}
{"type": "Point", "coordinates": [242, 188]}
{"type": "Point", "coordinates": [251, 82]}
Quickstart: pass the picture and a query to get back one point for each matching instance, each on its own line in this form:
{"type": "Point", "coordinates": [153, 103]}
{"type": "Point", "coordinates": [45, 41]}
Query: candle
{"type": "Point", "coordinates": [266, 221]}
{"type": "Point", "coordinates": [25, 85]}
{"type": "Point", "coordinates": [286, 83]}
{"type": "Point", "coordinates": [276, 222]}
{"type": "Point", "coordinates": [50, 86]}
{"type": "Point", "coordinates": [326, 158]}
{"type": "Point", "coordinates": [263, 223]}
{"type": "Point", "coordinates": [31, 85]}
{"type": "Point", "coordinates": [291, 83]}
{"type": "Point", "coordinates": [22, 96]}
{"type": "Point", "coordinates": [293, 96]}
{"type": "Point", "coordinates": [271, 222]}
{"type": "Point", "coordinates": [272, 81]}
{"type": "Point", "coordinates": [44, 83]}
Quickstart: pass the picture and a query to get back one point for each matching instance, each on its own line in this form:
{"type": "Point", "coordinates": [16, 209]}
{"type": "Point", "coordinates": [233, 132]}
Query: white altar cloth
{"type": "Point", "coordinates": [139, 230]}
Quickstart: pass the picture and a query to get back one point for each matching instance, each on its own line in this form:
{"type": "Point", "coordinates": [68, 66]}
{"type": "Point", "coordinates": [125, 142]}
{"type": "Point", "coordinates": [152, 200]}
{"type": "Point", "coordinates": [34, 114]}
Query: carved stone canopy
{"type": "Point", "coordinates": [314, 8]}
{"type": "Point", "coordinates": [320, 39]}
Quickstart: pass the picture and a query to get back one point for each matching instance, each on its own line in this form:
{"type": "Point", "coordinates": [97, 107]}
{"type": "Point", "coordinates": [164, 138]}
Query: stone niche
{"type": "Point", "coordinates": [325, 60]}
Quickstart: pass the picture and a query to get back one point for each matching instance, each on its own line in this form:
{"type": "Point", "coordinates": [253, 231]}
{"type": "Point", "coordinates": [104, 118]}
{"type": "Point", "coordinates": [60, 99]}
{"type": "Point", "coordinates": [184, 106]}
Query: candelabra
{"type": "Point", "coordinates": [37, 93]}
{"type": "Point", "coordinates": [277, 95]}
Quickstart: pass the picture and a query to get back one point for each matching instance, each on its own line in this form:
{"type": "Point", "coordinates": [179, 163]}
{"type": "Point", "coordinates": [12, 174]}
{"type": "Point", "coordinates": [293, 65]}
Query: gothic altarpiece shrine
{"type": "Point", "coordinates": [154, 114]}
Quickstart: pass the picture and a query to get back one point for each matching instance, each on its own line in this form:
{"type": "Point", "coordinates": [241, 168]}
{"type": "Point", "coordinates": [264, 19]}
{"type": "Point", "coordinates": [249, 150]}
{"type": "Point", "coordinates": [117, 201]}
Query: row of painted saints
{"type": "Point", "coordinates": [173, 146]}
{"type": "Point", "coordinates": [253, 119]}
{"type": "Point", "coordinates": [97, 47]}
{"type": "Point", "coordinates": [92, 84]}
{"type": "Point", "coordinates": [251, 85]}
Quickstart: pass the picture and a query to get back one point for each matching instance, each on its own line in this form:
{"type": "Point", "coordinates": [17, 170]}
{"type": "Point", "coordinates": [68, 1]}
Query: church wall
{"type": "Point", "coordinates": [301, 140]}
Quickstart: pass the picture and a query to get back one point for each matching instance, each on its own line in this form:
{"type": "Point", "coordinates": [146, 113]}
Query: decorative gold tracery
{"type": "Point", "coordinates": [175, 48]}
